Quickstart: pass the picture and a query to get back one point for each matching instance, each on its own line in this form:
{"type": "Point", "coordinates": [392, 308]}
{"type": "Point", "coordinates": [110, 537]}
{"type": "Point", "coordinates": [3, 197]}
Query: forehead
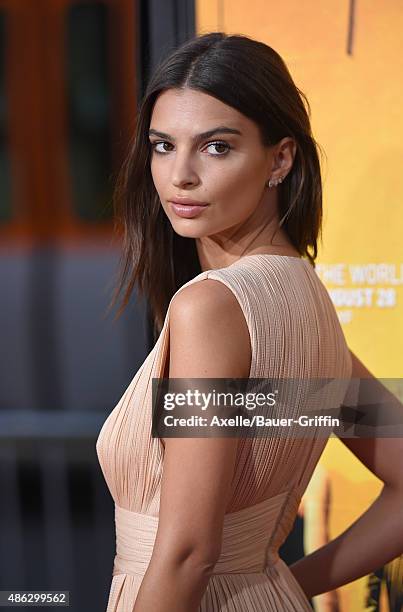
{"type": "Point", "coordinates": [189, 109]}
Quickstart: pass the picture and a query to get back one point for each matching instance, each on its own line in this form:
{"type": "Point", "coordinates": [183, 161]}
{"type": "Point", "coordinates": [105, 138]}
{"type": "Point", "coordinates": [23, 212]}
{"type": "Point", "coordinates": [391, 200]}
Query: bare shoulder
{"type": "Point", "coordinates": [209, 335]}
{"type": "Point", "coordinates": [206, 296]}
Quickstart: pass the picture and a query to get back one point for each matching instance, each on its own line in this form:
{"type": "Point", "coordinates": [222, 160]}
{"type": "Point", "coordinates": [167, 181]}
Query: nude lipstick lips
{"type": "Point", "coordinates": [187, 208]}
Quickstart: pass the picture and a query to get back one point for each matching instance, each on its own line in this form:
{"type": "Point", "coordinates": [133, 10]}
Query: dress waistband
{"type": "Point", "coordinates": [250, 538]}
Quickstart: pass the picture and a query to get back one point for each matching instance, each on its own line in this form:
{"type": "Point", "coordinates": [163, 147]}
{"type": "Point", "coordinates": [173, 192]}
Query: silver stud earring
{"type": "Point", "coordinates": [274, 182]}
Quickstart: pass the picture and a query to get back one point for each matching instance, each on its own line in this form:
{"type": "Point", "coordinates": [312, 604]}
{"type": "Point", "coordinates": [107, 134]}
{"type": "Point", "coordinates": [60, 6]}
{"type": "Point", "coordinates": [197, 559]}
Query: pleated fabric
{"type": "Point", "coordinates": [295, 333]}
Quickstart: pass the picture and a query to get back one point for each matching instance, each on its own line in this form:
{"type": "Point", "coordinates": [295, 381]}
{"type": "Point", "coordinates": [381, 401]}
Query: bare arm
{"type": "Point", "coordinates": [376, 537]}
{"type": "Point", "coordinates": [197, 471]}
{"type": "Point", "coordinates": [316, 528]}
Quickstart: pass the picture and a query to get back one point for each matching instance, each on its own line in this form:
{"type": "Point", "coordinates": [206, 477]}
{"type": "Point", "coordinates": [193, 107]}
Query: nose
{"type": "Point", "coordinates": [183, 173]}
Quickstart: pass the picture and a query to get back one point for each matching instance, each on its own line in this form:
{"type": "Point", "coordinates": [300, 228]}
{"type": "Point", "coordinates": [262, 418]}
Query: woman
{"type": "Point", "coordinates": [221, 205]}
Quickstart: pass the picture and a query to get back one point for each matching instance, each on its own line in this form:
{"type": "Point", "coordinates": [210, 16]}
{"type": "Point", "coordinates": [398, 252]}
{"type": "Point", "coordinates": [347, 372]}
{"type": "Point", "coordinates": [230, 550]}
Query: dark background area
{"type": "Point", "coordinates": [71, 77]}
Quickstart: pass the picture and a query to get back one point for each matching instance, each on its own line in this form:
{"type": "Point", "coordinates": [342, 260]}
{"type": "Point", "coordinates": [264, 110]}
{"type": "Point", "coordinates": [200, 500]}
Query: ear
{"type": "Point", "coordinates": [283, 157]}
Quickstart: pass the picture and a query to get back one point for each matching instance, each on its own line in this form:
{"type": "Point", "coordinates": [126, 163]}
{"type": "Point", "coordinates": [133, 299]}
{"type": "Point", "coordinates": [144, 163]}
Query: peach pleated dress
{"type": "Point", "coordinates": [295, 333]}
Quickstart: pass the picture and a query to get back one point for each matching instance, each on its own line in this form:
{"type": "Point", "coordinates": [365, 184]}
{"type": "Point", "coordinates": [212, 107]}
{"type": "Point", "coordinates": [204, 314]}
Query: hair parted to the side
{"type": "Point", "coordinates": [251, 77]}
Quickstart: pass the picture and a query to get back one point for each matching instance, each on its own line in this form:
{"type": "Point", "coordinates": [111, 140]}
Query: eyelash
{"type": "Point", "coordinates": [215, 142]}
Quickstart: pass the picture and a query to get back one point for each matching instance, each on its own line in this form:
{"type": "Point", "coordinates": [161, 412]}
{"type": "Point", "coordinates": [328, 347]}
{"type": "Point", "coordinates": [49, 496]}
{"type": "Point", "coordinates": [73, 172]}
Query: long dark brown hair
{"type": "Point", "coordinates": [251, 77]}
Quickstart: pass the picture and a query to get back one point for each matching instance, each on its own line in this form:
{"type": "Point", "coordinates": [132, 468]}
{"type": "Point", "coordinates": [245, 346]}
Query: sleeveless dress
{"type": "Point", "coordinates": [295, 333]}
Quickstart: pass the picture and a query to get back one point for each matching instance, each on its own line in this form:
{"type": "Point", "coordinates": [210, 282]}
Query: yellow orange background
{"type": "Point", "coordinates": [356, 117]}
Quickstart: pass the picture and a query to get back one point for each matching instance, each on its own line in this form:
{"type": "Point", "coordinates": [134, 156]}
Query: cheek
{"type": "Point", "coordinates": [239, 189]}
{"type": "Point", "coordinates": [157, 174]}
{"type": "Point", "coordinates": [161, 180]}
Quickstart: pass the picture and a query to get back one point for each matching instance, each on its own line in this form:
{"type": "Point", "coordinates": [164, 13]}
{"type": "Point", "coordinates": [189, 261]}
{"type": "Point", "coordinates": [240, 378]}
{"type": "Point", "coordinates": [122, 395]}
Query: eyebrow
{"type": "Point", "coordinates": [221, 129]}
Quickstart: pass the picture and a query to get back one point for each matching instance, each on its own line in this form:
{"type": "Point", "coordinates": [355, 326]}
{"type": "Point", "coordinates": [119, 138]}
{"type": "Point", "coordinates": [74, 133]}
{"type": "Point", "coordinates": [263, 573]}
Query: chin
{"type": "Point", "coordinates": [189, 228]}
{"type": "Point", "coordinates": [190, 234]}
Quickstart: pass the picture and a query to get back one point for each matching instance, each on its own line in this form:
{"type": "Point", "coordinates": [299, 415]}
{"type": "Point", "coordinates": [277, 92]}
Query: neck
{"type": "Point", "coordinates": [256, 235]}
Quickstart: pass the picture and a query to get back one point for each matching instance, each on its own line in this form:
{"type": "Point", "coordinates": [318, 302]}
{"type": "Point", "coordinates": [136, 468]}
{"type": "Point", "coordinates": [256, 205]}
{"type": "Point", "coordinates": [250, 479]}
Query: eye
{"type": "Point", "coordinates": [219, 143]}
{"type": "Point", "coordinates": [156, 143]}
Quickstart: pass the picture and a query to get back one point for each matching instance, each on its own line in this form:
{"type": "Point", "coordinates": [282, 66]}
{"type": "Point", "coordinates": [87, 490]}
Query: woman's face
{"type": "Point", "coordinates": [226, 170]}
